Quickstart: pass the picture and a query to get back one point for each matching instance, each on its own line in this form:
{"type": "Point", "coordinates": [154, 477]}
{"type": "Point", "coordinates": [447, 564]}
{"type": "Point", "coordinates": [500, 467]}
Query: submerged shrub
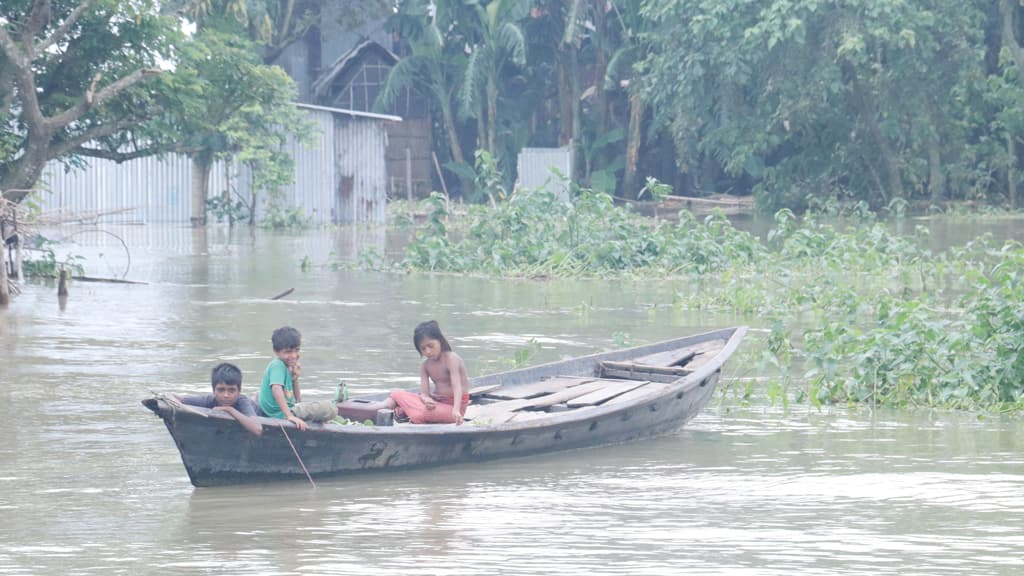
{"type": "Point", "coordinates": [535, 233]}
{"type": "Point", "coordinates": [886, 321]}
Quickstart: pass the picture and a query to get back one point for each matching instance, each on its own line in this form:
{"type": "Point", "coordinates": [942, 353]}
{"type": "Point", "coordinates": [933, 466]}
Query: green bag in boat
{"type": "Point", "coordinates": [316, 411]}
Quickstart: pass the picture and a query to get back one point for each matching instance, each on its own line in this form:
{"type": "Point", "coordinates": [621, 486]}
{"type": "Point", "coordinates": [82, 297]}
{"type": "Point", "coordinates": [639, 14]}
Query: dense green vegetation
{"type": "Point", "coordinates": [794, 101]}
{"type": "Point", "coordinates": [856, 312]}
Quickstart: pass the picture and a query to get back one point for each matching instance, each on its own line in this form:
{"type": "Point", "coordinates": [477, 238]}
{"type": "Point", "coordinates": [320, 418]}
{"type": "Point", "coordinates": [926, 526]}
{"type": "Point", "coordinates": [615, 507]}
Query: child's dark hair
{"type": "Point", "coordinates": [285, 337]}
{"type": "Point", "coordinates": [429, 329]}
{"type": "Point", "coordinates": [227, 373]}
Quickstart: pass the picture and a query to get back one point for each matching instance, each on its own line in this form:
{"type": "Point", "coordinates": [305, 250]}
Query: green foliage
{"type": "Point", "coordinates": [225, 208]}
{"type": "Point", "coordinates": [226, 104]}
{"type": "Point", "coordinates": [489, 180]}
{"type": "Point", "coordinates": [884, 320]}
{"type": "Point", "coordinates": [536, 234]}
{"type": "Point", "coordinates": [523, 355]}
{"type": "Point", "coordinates": [281, 217]}
{"type": "Point", "coordinates": [802, 99]}
{"type": "Point", "coordinates": [41, 259]}
{"type": "Point", "coordinates": [91, 83]}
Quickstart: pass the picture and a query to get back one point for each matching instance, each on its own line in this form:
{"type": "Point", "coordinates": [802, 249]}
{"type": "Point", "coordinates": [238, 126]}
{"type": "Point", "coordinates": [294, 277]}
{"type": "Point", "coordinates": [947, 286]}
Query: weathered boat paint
{"type": "Point", "coordinates": [216, 450]}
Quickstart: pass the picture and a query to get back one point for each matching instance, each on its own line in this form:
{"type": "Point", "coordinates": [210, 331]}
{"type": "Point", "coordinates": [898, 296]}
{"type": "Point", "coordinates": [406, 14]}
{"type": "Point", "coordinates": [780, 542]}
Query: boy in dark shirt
{"type": "Point", "coordinates": [226, 380]}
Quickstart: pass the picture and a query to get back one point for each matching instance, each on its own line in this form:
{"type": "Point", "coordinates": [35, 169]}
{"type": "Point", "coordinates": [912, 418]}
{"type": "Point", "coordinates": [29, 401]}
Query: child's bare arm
{"type": "Point", "coordinates": [247, 422]}
{"type": "Point", "coordinates": [428, 401]}
{"type": "Point", "coordinates": [457, 370]}
{"type": "Point", "coordinates": [278, 391]}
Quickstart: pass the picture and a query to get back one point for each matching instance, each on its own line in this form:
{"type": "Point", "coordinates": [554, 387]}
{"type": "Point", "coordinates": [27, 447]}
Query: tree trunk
{"type": "Point", "coordinates": [636, 116]}
{"type": "Point", "coordinates": [1007, 12]}
{"type": "Point", "coordinates": [492, 113]}
{"type": "Point", "coordinates": [599, 40]}
{"type": "Point", "coordinates": [1011, 171]}
{"type": "Point", "coordinates": [936, 178]}
{"type": "Point", "coordinates": [465, 185]}
{"type": "Point", "coordinates": [566, 110]}
{"type": "Point", "coordinates": [886, 155]}
{"type": "Point", "coordinates": [574, 83]}
{"type": "Point", "coordinates": [453, 134]}
{"type": "Point", "coordinates": [201, 164]}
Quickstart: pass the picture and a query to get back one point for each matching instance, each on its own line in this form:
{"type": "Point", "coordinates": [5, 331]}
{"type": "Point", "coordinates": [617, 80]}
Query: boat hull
{"type": "Point", "coordinates": [216, 450]}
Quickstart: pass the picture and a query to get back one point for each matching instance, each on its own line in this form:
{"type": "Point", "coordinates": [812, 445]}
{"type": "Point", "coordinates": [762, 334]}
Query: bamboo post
{"type": "Point", "coordinates": [62, 283]}
{"type": "Point", "coordinates": [408, 179]}
{"type": "Point", "coordinates": [18, 266]}
{"type": "Point", "coordinates": [5, 289]}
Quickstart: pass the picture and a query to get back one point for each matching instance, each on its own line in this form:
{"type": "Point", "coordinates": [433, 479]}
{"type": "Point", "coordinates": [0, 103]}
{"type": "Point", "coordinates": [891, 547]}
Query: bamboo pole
{"type": "Point", "coordinates": [5, 289]}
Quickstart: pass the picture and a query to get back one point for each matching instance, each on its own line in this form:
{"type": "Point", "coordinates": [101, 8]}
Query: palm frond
{"type": "Point", "coordinates": [472, 83]}
{"type": "Point", "coordinates": [512, 42]}
{"type": "Point", "coordinates": [571, 25]}
{"type": "Point", "coordinates": [620, 67]}
{"type": "Point", "coordinates": [508, 11]}
{"type": "Point", "coordinates": [405, 75]}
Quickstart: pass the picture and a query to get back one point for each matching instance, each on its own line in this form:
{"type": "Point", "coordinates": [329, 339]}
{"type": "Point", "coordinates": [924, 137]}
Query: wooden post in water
{"type": "Point", "coordinates": [408, 179]}
{"type": "Point", "coordinates": [62, 284]}
{"type": "Point", "coordinates": [5, 289]}
{"type": "Point", "coordinates": [19, 270]}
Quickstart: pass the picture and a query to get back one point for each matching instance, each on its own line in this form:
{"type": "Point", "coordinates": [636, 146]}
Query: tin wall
{"type": "Point", "coordinates": [362, 170]}
{"type": "Point", "coordinates": [159, 189]}
{"type": "Point", "coordinates": [548, 168]}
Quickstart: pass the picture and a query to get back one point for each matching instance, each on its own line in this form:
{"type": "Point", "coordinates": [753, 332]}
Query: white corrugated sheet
{"type": "Point", "coordinates": [547, 168]}
{"type": "Point", "coordinates": [345, 147]}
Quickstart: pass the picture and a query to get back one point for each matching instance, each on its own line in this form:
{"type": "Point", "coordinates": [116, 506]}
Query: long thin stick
{"type": "Point", "coordinates": [296, 452]}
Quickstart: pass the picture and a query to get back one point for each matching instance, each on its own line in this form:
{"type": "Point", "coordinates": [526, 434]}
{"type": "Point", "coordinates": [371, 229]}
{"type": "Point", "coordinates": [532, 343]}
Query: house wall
{"type": "Point", "coordinates": [159, 189]}
{"type": "Point", "coordinates": [361, 184]}
{"type": "Point", "coordinates": [414, 135]}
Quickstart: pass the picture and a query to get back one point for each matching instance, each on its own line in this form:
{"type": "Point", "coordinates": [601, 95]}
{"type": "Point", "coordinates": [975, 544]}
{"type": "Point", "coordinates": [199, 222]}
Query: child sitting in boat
{"type": "Point", "coordinates": [227, 396]}
{"type": "Point", "coordinates": [447, 403]}
{"type": "Point", "coordinates": [279, 391]}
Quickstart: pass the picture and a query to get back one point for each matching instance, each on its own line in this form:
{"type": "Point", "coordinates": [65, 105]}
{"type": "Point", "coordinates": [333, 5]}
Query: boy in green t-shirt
{"type": "Point", "coordinates": [279, 390]}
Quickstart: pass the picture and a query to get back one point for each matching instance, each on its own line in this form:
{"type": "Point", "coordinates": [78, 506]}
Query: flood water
{"type": "Point", "coordinates": [91, 483]}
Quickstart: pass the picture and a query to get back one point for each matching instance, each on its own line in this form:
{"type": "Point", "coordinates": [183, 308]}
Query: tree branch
{"type": "Point", "coordinates": [66, 25]}
{"type": "Point", "coordinates": [92, 99]}
{"type": "Point", "coordinates": [37, 20]}
{"type": "Point", "coordinates": [120, 156]}
{"type": "Point", "coordinates": [99, 131]}
{"type": "Point", "coordinates": [61, 30]}
{"type": "Point", "coordinates": [14, 53]}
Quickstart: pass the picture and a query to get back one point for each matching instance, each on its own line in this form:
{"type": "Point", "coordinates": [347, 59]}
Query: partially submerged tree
{"type": "Point", "coordinates": [227, 103]}
{"type": "Point", "coordinates": [73, 75]}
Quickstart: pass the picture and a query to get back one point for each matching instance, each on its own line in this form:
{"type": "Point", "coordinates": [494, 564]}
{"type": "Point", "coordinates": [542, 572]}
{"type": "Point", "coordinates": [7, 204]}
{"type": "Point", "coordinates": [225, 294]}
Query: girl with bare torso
{"type": "Point", "coordinates": [446, 404]}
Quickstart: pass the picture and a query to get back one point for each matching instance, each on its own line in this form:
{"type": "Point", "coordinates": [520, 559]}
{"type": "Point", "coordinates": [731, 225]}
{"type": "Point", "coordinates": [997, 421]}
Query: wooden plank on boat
{"type": "Point", "coordinates": [498, 412]}
{"type": "Point", "coordinates": [668, 358]}
{"type": "Point", "coordinates": [530, 415]}
{"type": "Point", "coordinates": [632, 367]}
{"type": "Point", "coordinates": [639, 392]}
{"type": "Point", "coordinates": [708, 351]}
{"type": "Point", "coordinates": [638, 376]}
{"type": "Point", "coordinates": [535, 389]}
{"type": "Point", "coordinates": [610, 390]}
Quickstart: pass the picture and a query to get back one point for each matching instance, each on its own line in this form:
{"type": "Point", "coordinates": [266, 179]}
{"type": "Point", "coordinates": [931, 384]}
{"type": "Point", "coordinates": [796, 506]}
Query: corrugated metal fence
{"type": "Point", "coordinates": [547, 168]}
{"type": "Point", "coordinates": [340, 177]}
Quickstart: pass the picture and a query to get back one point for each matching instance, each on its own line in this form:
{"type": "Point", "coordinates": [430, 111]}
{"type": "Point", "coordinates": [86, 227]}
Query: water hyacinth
{"type": "Point", "coordinates": [882, 319]}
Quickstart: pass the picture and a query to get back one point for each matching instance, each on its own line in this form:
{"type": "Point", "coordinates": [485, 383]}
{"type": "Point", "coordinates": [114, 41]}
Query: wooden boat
{"type": "Point", "coordinates": [599, 399]}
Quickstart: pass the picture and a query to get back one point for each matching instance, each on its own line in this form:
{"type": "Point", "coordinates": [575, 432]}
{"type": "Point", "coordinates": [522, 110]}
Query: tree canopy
{"type": "Point", "coordinates": [74, 77]}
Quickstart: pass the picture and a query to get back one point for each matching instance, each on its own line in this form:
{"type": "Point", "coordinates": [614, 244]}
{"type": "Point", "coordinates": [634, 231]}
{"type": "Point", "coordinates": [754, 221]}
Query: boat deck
{"type": "Point", "coordinates": [612, 383]}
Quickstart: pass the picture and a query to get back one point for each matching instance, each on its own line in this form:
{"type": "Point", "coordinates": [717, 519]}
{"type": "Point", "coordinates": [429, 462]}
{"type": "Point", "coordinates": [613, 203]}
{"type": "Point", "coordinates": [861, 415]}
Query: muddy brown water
{"type": "Point", "coordinates": [90, 482]}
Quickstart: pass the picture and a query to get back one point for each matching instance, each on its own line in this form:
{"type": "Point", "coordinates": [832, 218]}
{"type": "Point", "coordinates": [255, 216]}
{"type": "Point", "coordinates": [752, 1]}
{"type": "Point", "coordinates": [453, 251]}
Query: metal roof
{"type": "Point", "coordinates": [354, 113]}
